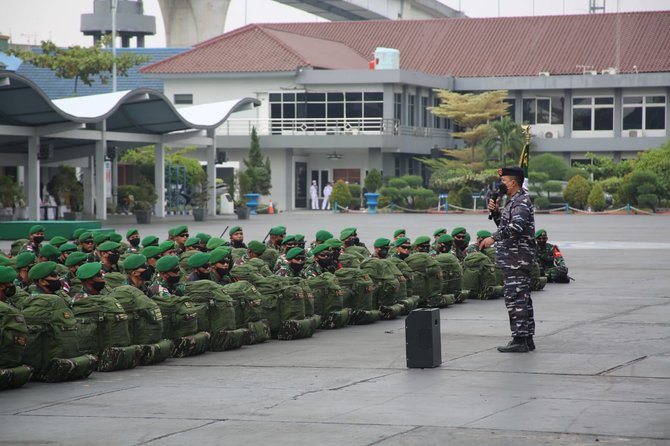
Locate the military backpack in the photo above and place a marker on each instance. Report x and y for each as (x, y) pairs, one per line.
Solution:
(479, 277)
(427, 283)
(13, 341)
(358, 292)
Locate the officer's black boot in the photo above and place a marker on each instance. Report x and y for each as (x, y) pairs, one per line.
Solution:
(530, 343)
(516, 345)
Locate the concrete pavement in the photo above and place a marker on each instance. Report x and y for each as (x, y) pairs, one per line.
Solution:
(600, 374)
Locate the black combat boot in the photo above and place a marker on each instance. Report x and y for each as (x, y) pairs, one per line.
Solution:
(530, 343)
(516, 345)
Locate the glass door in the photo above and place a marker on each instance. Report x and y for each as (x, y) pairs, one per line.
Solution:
(300, 185)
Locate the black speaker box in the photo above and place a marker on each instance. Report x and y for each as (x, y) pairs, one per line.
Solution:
(422, 338)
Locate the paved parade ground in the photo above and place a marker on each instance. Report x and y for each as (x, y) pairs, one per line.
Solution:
(600, 374)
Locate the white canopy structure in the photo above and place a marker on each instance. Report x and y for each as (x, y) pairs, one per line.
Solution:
(82, 127)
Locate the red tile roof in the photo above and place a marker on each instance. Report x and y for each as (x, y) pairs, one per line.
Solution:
(512, 46)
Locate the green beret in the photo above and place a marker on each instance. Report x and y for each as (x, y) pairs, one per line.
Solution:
(214, 243)
(219, 254)
(134, 261)
(346, 233)
(100, 238)
(439, 231)
(85, 236)
(483, 233)
(445, 238)
(57, 241)
(77, 232)
(278, 230)
(383, 241)
(318, 248)
(192, 241)
(108, 246)
(131, 232)
(115, 237)
(204, 238)
(67, 247)
(24, 259)
(4, 261)
(49, 251)
(173, 232)
(458, 230)
(235, 229)
(294, 252)
(167, 245)
(420, 240)
(76, 258)
(400, 241)
(333, 243)
(41, 270)
(299, 237)
(540, 232)
(7, 274)
(322, 235)
(88, 270)
(396, 233)
(288, 239)
(151, 251)
(36, 228)
(256, 247)
(199, 259)
(149, 240)
(167, 263)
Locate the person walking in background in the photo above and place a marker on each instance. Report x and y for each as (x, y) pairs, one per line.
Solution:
(326, 196)
(314, 194)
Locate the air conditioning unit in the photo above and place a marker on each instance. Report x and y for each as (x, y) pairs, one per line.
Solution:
(543, 73)
(46, 152)
(632, 133)
(548, 135)
(591, 72)
(610, 70)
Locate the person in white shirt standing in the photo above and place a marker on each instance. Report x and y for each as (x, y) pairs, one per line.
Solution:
(314, 194)
(326, 196)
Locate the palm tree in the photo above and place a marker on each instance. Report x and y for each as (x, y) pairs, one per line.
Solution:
(505, 137)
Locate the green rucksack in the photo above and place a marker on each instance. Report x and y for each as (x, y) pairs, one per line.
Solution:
(115, 279)
(145, 324)
(248, 302)
(282, 300)
(103, 331)
(427, 279)
(17, 246)
(491, 254)
(183, 261)
(216, 315)
(358, 291)
(328, 301)
(252, 271)
(236, 253)
(362, 251)
(452, 275)
(13, 340)
(269, 257)
(537, 280)
(53, 347)
(479, 277)
(180, 324)
(387, 295)
(351, 259)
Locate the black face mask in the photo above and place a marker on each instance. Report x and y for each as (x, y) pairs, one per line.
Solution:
(98, 286)
(324, 262)
(10, 291)
(238, 243)
(172, 280)
(222, 271)
(38, 239)
(336, 255)
(202, 276)
(422, 248)
(147, 274)
(383, 252)
(352, 241)
(296, 267)
(403, 255)
(54, 285)
(134, 242)
(502, 189)
(444, 247)
(113, 258)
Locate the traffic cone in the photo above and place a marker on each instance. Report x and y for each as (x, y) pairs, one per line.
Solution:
(271, 208)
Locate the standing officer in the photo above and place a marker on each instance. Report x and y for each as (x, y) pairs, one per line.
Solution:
(515, 256)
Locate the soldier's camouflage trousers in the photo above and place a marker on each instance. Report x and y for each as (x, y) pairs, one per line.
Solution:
(518, 302)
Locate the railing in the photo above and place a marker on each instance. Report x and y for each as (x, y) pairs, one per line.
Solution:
(325, 126)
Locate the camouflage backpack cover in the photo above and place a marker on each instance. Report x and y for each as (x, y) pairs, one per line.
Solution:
(358, 294)
(248, 302)
(251, 271)
(329, 301)
(53, 344)
(180, 324)
(13, 341)
(351, 259)
(115, 279)
(537, 280)
(236, 253)
(427, 283)
(283, 300)
(491, 254)
(452, 275)
(103, 331)
(479, 277)
(270, 256)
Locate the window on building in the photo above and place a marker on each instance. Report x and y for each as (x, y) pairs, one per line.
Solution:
(397, 166)
(183, 99)
(397, 106)
(424, 112)
(644, 112)
(511, 110)
(411, 109)
(547, 110)
(592, 113)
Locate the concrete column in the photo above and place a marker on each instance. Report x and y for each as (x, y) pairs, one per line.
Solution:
(518, 106)
(33, 183)
(567, 114)
(618, 112)
(211, 172)
(100, 180)
(289, 202)
(115, 179)
(375, 159)
(159, 182)
(87, 177)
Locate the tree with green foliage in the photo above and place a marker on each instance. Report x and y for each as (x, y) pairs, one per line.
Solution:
(340, 195)
(554, 166)
(143, 158)
(657, 161)
(641, 188)
(552, 186)
(576, 193)
(504, 140)
(601, 167)
(597, 198)
(373, 181)
(257, 169)
(80, 63)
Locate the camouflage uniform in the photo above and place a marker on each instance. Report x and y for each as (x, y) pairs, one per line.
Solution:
(242, 260)
(162, 288)
(312, 270)
(459, 253)
(79, 296)
(552, 263)
(285, 270)
(31, 247)
(20, 284)
(471, 248)
(515, 241)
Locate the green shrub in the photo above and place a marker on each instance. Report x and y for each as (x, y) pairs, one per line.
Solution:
(373, 180)
(383, 202)
(414, 181)
(355, 190)
(397, 183)
(465, 197)
(541, 203)
(573, 171)
(552, 186)
(576, 193)
(425, 199)
(554, 166)
(597, 198)
(341, 194)
(640, 187)
(453, 198)
(391, 194)
(355, 203)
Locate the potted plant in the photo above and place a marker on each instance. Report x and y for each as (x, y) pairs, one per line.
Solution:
(199, 199)
(143, 200)
(10, 195)
(373, 181)
(258, 174)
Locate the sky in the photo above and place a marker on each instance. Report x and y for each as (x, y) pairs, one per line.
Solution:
(31, 21)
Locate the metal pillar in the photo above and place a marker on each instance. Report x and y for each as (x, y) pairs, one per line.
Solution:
(115, 179)
(100, 178)
(159, 173)
(33, 184)
(211, 172)
(87, 179)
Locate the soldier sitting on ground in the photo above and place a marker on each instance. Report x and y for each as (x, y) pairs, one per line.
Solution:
(169, 277)
(237, 237)
(293, 265)
(550, 258)
(91, 279)
(221, 263)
